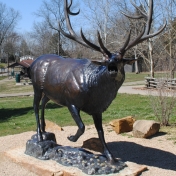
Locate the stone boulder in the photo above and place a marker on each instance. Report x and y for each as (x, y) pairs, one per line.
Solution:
(145, 128)
(51, 126)
(93, 144)
(122, 125)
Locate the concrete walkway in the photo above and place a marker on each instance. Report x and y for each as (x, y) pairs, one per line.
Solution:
(137, 87)
(16, 94)
(123, 89)
(133, 90)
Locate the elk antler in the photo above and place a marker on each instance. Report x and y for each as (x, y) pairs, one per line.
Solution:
(144, 35)
(83, 41)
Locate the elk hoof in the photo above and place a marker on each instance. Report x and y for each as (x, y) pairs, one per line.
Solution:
(43, 128)
(110, 158)
(39, 138)
(72, 138)
(43, 131)
(113, 161)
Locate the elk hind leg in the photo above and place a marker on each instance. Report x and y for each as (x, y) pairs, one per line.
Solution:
(45, 100)
(75, 112)
(36, 103)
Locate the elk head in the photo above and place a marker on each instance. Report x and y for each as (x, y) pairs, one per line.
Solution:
(112, 59)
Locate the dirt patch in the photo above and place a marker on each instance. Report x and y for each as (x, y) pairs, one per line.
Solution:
(157, 153)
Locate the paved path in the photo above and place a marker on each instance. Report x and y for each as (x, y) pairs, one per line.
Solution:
(123, 89)
(16, 94)
(129, 88)
(133, 90)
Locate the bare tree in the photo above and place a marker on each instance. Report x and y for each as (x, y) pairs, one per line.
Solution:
(52, 13)
(23, 48)
(104, 22)
(9, 47)
(101, 22)
(8, 20)
(27, 44)
(42, 35)
(169, 39)
(146, 50)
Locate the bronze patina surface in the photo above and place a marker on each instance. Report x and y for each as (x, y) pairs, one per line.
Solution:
(80, 84)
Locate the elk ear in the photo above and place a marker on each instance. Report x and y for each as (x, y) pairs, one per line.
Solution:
(99, 62)
(129, 61)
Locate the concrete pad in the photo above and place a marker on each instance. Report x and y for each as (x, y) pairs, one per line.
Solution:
(52, 168)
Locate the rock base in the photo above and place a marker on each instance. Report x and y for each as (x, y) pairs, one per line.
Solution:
(52, 168)
(86, 161)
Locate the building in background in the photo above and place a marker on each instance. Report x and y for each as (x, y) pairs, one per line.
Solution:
(21, 67)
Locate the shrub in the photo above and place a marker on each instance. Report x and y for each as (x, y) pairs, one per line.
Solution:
(162, 101)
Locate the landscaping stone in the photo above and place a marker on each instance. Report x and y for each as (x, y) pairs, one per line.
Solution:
(51, 126)
(123, 125)
(51, 168)
(93, 144)
(145, 128)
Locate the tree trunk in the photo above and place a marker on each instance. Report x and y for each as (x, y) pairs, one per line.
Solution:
(8, 65)
(136, 62)
(151, 59)
(152, 74)
(58, 45)
(172, 74)
(171, 61)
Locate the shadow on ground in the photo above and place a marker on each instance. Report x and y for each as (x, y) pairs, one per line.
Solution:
(130, 151)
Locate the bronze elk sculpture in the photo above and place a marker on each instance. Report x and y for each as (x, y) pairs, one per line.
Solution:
(80, 84)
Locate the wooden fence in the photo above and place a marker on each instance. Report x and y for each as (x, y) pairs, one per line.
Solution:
(160, 82)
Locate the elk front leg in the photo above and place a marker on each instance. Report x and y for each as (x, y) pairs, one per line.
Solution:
(45, 100)
(37, 98)
(75, 112)
(98, 124)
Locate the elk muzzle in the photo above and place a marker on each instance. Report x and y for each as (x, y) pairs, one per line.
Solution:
(112, 68)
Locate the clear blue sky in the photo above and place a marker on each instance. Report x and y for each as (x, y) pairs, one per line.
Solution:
(26, 9)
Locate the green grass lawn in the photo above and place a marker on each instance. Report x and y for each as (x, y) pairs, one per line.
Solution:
(3, 65)
(2, 77)
(132, 77)
(17, 115)
(9, 86)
